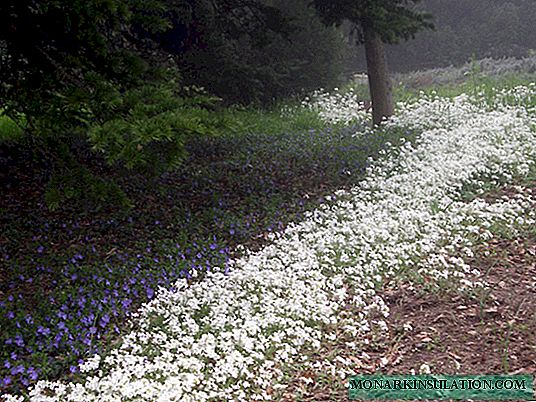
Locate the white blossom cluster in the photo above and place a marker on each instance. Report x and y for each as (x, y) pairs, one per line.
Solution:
(517, 96)
(338, 107)
(230, 337)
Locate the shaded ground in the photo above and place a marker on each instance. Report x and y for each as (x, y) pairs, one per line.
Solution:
(489, 331)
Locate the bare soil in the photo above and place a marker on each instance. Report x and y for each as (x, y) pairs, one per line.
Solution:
(486, 331)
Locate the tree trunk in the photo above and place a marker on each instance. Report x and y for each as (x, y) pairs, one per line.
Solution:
(378, 75)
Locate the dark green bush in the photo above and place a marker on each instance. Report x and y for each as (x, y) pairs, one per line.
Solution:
(245, 63)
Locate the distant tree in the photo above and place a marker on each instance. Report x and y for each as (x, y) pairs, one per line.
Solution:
(254, 51)
(377, 22)
(464, 28)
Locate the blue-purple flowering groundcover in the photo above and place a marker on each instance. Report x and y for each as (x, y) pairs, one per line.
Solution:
(72, 313)
(69, 281)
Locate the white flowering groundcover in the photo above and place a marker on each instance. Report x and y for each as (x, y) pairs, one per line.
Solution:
(230, 337)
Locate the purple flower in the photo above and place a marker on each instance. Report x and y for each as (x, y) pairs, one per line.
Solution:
(43, 330)
(32, 373)
(104, 320)
(17, 370)
(40, 249)
(150, 293)
(19, 341)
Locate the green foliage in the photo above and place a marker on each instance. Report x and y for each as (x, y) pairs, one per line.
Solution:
(391, 19)
(50, 49)
(233, 55)
(9, 130)
(147, 127)
(87, 79)
(47, 47)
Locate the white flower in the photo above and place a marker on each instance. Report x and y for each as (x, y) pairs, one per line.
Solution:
(425, 369)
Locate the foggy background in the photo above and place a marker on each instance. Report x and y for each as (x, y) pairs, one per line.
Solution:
(464, 28)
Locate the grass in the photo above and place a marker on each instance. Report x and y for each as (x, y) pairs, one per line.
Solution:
(472, 86)
(451, 82)
(287, 117)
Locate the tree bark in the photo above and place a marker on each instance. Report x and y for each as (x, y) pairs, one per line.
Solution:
(381, 92)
